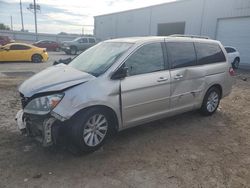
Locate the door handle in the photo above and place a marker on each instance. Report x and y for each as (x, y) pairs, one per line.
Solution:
(178, 77)
(162, 79)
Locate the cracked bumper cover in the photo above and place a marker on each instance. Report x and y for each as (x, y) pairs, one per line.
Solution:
(45, 129)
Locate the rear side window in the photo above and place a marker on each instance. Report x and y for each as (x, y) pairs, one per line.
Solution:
(230, 50)
(181, 54)
(209, 53)
(147, 59)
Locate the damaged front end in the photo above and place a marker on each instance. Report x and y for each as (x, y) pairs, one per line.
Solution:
(37, 120)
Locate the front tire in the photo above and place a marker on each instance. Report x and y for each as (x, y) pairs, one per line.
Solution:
(73, 50)
(36, 58)
(90, 129)
(211, 101)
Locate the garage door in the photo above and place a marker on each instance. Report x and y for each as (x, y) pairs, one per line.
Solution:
(236, 32)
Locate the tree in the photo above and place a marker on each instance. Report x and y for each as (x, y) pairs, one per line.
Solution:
(4, 27)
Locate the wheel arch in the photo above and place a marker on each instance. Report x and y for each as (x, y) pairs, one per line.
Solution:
(218, 86)
(238, 58)
(111, 112)
(31, 59)
(73, 46)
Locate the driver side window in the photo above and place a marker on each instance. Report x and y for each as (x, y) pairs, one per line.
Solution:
(149, 58)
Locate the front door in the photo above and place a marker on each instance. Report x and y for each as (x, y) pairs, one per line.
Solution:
(145, 92)
(83, 44)
(18, 52)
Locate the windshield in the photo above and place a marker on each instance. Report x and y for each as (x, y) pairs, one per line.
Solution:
(76, 39)
(99, 58)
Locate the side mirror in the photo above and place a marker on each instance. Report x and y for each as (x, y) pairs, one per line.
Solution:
(120, 73)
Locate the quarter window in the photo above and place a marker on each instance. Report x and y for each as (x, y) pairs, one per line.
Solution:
(19, 47)
(181, 54)
(209, 53)
(147, 59)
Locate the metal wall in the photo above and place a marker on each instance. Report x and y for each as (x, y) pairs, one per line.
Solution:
(200, 17)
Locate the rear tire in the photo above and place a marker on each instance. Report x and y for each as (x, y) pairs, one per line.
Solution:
(36, 58)
(90, 129)
(211, 101)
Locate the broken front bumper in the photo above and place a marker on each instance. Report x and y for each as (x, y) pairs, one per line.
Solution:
(43, 128)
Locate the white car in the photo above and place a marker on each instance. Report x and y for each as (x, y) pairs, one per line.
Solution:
(233, 56)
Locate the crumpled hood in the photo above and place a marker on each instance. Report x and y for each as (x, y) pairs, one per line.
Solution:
(55, 78)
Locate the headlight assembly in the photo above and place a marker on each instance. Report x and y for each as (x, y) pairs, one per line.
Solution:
(43, 105)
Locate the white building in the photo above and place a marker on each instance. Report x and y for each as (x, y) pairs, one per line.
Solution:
(224, 20)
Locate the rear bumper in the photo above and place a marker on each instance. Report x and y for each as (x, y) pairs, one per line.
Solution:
(45, 57)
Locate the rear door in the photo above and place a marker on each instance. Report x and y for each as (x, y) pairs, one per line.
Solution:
(187, 81)
(145, 92)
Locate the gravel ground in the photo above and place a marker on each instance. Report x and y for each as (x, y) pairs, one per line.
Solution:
(183, 151)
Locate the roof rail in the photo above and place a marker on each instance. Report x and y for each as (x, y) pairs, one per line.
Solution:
(190, 36)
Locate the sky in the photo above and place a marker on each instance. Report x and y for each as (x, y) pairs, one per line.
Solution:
(70, 16)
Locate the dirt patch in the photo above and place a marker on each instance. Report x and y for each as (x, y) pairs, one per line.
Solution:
(183, 151)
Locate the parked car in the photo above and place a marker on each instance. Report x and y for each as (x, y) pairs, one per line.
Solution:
(23, 52)
(64, 61)
(5, 40)
(123, 83)
(49, 45)
(79, 44)
(233, 56)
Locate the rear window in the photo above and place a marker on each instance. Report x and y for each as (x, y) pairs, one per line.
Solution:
(181, 54)
(208, 53)
(230, 50)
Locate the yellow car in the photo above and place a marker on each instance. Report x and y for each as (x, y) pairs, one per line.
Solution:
(23, 52)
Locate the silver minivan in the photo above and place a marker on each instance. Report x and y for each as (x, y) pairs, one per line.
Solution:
(123, 83)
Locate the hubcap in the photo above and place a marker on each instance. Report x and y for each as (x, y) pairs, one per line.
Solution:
(95, 130)
(213, 101)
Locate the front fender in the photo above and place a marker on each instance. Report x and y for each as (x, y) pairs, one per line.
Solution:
(92, 93)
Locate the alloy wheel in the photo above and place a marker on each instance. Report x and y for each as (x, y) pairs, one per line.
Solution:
(95, 130)
(213, 101)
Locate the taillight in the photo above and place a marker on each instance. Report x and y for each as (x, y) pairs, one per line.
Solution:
(231, 71)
